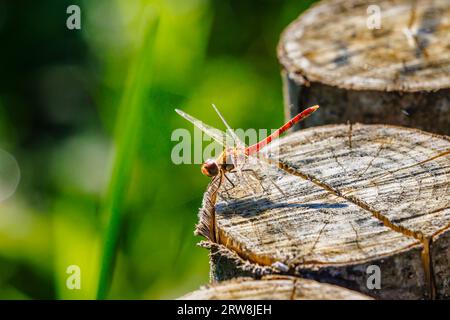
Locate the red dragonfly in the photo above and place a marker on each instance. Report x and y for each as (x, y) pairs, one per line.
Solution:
(233, 157)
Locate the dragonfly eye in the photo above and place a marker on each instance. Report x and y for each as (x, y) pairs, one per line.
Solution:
(210, 168)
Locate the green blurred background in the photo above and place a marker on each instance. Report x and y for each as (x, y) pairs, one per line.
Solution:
(88, 115)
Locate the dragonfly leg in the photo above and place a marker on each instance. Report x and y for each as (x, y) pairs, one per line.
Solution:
(220, 177)
(231, 182)
(225, 190)
(254, 175)
(214, 179)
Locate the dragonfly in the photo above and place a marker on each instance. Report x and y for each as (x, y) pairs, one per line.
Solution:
(236, 153)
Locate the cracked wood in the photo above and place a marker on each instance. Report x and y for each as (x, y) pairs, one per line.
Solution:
(383, 201)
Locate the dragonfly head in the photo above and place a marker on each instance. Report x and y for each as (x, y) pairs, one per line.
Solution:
(210, 168)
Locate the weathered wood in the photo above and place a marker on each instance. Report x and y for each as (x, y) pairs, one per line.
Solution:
(354, 196)
(273, 288)
(398, 74)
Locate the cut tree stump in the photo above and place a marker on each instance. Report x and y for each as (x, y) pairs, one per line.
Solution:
(273, 288)
(398, 74)
(354, 196)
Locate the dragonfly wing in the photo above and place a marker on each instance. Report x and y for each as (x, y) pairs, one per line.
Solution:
(230, 132)
(261, 165)
(216, 134)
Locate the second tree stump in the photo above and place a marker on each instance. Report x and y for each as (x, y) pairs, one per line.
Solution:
(354, 196)
(394, 71)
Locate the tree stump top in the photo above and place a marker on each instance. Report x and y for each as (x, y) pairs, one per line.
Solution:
(332, 44)
(273, 288)
(353, 195)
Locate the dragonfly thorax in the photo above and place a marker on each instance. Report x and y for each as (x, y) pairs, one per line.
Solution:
(227, 160)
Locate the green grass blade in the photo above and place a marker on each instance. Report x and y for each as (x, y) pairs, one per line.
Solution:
(128, 126)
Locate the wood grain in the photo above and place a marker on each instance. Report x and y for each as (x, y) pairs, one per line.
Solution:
(354, 196)
(273, 288)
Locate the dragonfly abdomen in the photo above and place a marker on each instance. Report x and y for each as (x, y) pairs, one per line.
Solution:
(299, 117)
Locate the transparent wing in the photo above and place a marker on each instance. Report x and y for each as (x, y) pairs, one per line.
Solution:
(254, 175)
(216, 134)
(237, 141)
(260, 165)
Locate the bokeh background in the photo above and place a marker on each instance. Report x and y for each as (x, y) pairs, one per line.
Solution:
(88, 115)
